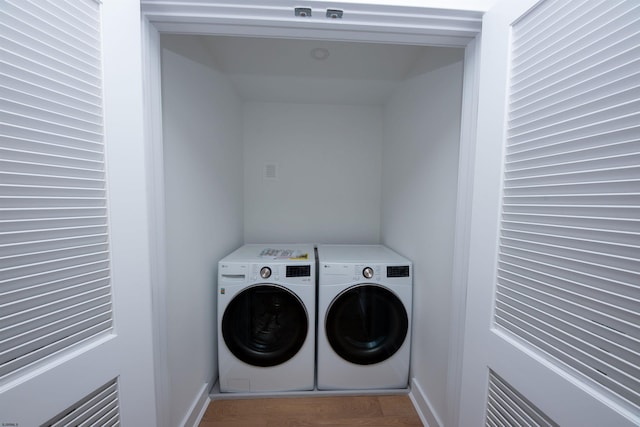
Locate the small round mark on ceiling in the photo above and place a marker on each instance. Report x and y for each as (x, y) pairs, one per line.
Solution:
(319, 53)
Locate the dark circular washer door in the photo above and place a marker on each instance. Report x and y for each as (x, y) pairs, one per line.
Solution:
(265, 325)
(366, 324)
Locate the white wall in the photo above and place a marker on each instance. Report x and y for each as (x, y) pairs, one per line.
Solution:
(420, 167)
(328, 161)
(203, 191)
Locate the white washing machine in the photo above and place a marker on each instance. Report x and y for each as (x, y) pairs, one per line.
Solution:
(266, 318)
(364, 317)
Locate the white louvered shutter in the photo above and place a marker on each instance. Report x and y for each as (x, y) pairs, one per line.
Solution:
(55, 288)
(569, 257)
(553, 326)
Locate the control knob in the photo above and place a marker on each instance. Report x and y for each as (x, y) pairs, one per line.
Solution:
(265, 272)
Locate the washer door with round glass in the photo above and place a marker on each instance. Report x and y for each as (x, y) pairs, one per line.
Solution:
(265, 325)
(366, 324)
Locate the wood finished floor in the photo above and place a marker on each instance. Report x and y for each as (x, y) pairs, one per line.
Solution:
(354, 411)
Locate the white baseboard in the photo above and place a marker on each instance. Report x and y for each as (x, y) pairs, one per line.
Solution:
(198, 408)
(424, 408)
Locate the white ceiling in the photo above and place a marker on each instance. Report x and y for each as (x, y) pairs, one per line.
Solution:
(283, 70)
(284, 57)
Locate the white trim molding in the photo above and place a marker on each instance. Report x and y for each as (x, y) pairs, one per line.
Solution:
(360, 22)
(155, 177)
(422, 405)
(198, 408)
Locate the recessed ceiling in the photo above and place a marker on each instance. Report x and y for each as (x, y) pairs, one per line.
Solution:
(310, 71)
(282, 57)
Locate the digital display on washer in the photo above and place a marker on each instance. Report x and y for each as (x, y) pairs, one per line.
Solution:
(298, 270)
(398, 271)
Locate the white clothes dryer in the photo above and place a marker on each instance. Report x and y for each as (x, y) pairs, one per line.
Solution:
(364, 317)
(266, 318)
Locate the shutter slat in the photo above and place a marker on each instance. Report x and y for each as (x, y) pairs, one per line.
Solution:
(547, 16)
(33, 32)
(602, 270)
(103, 401)
(53, 213)
(48, 202)
(506, 404)
(52, 104)
(47, 20)
(33, 134)
(28, 336)
(596, 30)
(567, 157)
(68, 284)
(25, 260)
(629, 186)
(623, 104)
(49, 223)
(619, 291)
(34, 191)
(547, 338)
(573, 232)
(51, 149)
(601, 331)
(37, 61)
(615, 68)
(576, 93)
(50, 159)
(47, 180)
(600, 246)
(22, 122)
(584, 131)
(44, 235)
(50, 350)
(41, 76)
(21, 90)
(39, 111)
(53, 263)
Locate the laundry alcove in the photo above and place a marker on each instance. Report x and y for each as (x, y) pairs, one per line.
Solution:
(263, 143)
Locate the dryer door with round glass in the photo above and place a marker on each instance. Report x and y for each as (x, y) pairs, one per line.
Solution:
(265, 325)
(366, 324)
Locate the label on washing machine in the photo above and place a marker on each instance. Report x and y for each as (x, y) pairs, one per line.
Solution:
(272, 253)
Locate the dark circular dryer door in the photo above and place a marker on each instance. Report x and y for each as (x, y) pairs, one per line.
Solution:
(265, 325)
(366, 324)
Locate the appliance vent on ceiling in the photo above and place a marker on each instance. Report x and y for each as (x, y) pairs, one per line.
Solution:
(100, 408)
(507, 407)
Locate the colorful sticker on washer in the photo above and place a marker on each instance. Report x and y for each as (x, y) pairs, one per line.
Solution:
(292, 254)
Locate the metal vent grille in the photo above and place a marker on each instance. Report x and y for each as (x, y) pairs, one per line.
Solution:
(507, 407)
(569, 255)
(398, 271)
(298, 270)
(100, 408)
(54, 257)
